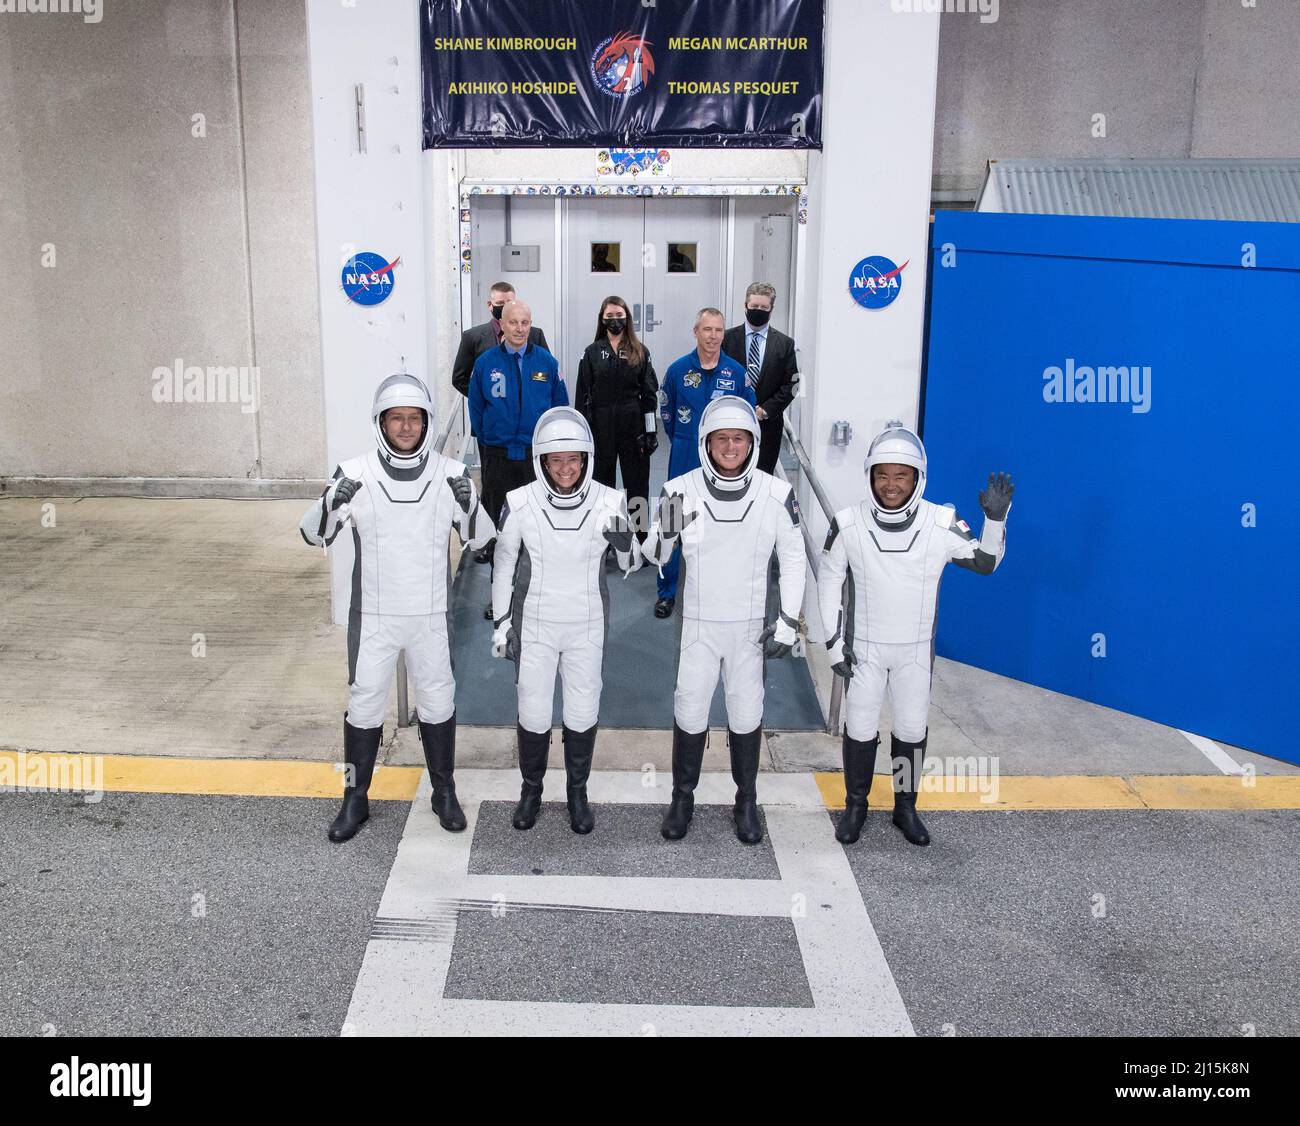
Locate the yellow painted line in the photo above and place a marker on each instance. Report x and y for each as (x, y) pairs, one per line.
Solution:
(294, 779)
(1082, 791)
(158, 775)
(1211, 791)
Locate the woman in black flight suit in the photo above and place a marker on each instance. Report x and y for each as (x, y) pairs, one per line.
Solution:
(617, 393)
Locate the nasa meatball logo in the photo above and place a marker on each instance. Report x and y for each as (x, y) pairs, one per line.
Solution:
(368, 278)
(875, 282)
(622, 65)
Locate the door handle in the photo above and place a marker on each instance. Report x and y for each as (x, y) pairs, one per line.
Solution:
(636, 316)
(650, 321)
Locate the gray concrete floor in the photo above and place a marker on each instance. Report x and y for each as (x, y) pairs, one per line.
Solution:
(152, 914)
(99, 621)
(1105, 923)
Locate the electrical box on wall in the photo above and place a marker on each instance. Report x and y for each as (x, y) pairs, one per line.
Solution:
(521, 258)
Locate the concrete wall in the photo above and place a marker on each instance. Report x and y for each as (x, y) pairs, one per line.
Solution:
(166, 246)
(1175, 78)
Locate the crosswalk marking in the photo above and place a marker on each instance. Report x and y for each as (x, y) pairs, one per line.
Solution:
(399, 990)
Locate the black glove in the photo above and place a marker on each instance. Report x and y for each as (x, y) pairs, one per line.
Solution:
(673, 517)
(847, 659)
(462, 491)
(647, 443)
(773, 650)
(343, 494)
(618, 533)
(996, 499)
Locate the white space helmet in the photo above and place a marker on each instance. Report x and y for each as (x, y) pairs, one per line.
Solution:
(562, 430)
(896, 445)
(729, 412)
(402, 390)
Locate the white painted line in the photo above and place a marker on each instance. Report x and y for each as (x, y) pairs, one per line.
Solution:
(1212, 751)
(630, 893)
(633, 787)
(399, 990)
(853, 990)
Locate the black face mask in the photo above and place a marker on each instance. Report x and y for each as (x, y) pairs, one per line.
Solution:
(614, 325)
(497, 311)
(758, 317)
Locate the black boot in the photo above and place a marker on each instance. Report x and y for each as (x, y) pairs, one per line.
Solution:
(908, 760)
(859, 766)
(360, 749)
(688, 757)
(533, 750)
(439, 742)
(745, 751)
(578, 749)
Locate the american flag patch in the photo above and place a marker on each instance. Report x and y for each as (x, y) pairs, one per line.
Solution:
(963, 525)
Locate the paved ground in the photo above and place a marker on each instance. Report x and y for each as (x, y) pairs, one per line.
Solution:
(1115, 923)
(212, 914)
(170, 915)
(184, 627)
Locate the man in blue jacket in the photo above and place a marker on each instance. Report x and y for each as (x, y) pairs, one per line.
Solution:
(510, 388)
(689, 385)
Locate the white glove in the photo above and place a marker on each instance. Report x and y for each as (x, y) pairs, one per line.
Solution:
(778, 639)
(505, 643)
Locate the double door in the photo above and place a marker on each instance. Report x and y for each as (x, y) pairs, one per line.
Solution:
(663, 255)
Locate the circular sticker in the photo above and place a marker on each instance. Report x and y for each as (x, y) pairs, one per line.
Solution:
(368, 278)
(875, 282)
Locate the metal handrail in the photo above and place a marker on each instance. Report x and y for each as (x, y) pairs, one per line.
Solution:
(403, 689)
(805, 465)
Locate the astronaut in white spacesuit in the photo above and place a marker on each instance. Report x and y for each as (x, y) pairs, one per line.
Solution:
(893, 547)
(730, 517)
(550, 607)
(402, 500)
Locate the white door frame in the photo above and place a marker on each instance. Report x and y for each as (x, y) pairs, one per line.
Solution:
(559, 190)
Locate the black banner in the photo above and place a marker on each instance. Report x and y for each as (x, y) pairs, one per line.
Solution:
(578, 73)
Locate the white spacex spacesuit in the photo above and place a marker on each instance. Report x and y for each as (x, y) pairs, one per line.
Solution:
(894, 559)
(402, 507)
(550, 605)
(729, 525)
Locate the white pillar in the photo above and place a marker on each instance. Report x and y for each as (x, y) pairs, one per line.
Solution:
(371, 201)
(870, 189)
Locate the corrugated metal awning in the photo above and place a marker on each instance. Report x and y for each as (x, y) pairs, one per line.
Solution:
(1261, 189)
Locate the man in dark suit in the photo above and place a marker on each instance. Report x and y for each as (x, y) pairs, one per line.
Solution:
(771, 367)
(477, 340)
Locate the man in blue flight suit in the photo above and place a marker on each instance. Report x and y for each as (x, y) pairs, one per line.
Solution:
(689, 385)
(510, 388)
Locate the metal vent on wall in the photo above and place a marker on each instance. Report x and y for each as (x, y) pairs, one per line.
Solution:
(1257, 190)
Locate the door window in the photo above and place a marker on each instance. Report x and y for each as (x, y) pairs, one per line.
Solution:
(683, 257)
(605, 257)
